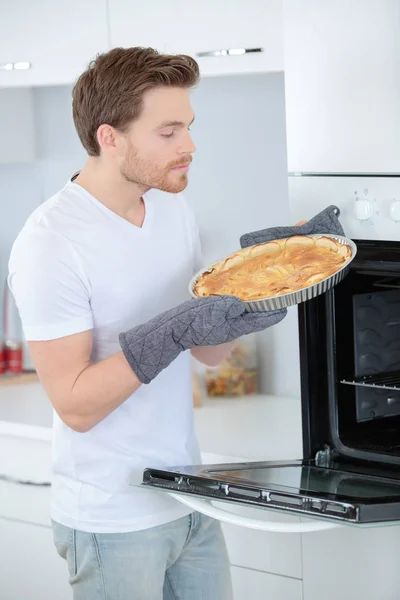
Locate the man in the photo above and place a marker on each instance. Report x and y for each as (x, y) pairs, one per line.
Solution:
(105, 265)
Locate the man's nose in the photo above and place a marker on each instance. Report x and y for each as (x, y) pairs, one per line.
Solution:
(187, 146)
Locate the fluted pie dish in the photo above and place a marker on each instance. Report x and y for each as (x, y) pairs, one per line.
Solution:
(278, 273)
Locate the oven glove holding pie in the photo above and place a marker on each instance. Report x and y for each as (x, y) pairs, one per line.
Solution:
(151, 347)
(326, 221)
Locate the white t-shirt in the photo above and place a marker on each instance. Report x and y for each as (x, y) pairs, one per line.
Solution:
(75, 266)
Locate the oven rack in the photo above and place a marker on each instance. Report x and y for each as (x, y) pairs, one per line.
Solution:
(385, 381)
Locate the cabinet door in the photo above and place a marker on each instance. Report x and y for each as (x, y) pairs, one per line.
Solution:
(342, 79)
(264, 586)
(201, 26)
(57, 38)
(262, 550)
(352, 564)
(30, 567)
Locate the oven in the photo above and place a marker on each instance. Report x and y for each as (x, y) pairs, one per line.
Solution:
(350, 392)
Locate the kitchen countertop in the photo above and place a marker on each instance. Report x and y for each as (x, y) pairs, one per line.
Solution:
(262, 427)
(254, 426)
(25, 411)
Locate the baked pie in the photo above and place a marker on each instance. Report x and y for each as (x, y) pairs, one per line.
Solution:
(274, 268)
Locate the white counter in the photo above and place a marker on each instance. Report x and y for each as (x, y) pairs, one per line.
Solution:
(256, 427)
(25, 411)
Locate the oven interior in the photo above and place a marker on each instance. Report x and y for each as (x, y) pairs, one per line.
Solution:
(350, 361)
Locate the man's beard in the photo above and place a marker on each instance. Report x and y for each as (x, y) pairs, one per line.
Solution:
(148, 174)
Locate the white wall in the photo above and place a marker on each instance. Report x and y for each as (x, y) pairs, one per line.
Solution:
(239, 183)
(238, 180)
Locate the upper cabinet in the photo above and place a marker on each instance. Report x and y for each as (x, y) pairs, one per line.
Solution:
(49, 42)
(342, 78)
(223, 37)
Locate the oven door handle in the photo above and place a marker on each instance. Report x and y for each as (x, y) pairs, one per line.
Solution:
(206, 508)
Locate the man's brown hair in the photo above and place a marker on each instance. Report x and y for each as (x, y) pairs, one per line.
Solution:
(111, 89)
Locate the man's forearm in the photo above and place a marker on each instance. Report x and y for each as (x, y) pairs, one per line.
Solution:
(83, 394)
(96, 392)
(211, 356)
(104, 386)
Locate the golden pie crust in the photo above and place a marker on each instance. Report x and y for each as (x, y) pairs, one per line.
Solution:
(274, 268)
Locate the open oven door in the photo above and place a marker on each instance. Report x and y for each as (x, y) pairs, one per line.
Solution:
(341, 494)
(350, 472)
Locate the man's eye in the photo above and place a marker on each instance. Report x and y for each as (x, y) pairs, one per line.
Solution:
(167, 135)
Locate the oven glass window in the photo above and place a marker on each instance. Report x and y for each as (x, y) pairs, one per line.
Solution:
(300, 479)
(367, 324)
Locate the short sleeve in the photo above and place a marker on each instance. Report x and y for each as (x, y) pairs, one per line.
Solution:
(49, 286)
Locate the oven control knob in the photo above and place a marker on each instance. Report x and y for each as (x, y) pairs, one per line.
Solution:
(395, 210)
(363, 210)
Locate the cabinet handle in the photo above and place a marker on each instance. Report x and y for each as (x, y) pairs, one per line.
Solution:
(229, 52)
(16, 66)
(16, 481)
(206, 508)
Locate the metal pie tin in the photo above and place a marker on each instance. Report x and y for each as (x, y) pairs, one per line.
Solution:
(292, 298)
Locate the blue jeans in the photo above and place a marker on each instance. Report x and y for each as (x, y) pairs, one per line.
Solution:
(182, 560)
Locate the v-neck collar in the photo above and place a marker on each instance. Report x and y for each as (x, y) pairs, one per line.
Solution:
(148, 206)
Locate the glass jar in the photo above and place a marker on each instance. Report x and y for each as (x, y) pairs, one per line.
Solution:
(238, 374)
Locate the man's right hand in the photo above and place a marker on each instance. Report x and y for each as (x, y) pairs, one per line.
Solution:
(151, 347)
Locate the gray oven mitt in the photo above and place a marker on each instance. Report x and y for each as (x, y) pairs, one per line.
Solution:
(151, 347)
(326, 221)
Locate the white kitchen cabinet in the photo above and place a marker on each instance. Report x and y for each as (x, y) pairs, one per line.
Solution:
(17, 126)
(262, 550)
(179, 26)
(25, 503)
(24, 459)
(342, 80)
(352, 564)
(30, 567)
(264, 586)
(57, 38)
